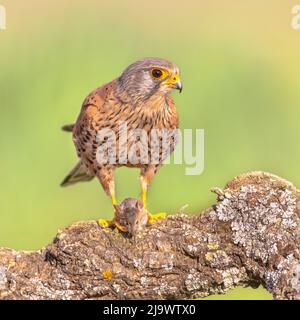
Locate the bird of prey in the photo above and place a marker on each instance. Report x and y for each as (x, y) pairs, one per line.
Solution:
(140, 98)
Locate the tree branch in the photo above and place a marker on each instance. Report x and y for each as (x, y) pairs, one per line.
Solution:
(250, 237)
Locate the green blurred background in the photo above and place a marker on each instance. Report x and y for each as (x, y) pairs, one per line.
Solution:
(240, 68)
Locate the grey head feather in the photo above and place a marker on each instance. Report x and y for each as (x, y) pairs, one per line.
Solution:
(137, 82)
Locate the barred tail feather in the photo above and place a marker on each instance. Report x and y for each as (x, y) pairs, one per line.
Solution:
(68, 127)
(77, 174)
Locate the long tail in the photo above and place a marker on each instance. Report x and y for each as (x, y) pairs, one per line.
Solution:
(68, 127)
(77, 174)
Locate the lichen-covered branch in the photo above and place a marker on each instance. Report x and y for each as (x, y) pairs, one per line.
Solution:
(250, 237)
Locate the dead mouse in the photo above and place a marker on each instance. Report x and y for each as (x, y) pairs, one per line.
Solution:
(131, 216)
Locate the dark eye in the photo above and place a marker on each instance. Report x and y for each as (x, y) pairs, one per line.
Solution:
(156, 73)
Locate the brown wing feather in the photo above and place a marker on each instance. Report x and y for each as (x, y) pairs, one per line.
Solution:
(91, 105)
(94, 115)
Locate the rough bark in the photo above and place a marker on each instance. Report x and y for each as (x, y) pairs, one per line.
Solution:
(249, 237)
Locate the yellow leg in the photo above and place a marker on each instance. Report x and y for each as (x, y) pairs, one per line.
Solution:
(112, 223)
(113, 199)
(144, 197)
(108, 223)
(151, 217)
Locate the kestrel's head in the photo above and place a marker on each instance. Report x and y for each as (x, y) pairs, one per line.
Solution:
(148, 77)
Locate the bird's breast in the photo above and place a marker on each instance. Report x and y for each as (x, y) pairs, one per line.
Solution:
(141, 135)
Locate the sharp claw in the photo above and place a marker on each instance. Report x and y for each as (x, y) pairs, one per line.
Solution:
(107, 224)
(104, 223)
(154, 217)
(120, 228)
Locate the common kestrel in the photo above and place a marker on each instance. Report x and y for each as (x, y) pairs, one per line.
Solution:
(138, 99)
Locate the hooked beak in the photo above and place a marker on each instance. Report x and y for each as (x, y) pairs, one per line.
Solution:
(174, 82)
(178, 86)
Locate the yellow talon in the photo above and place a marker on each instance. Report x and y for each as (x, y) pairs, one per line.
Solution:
(119, 227)
(154, 217)
(104, 223)
(107, 224)
(151, 217)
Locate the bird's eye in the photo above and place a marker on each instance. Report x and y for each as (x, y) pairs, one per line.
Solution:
(156, 73)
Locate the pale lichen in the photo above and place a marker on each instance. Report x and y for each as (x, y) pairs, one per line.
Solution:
(295, 278)
(254, 212)
(195, 281)
(231, 276)
(218, 259)
(3, 278)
